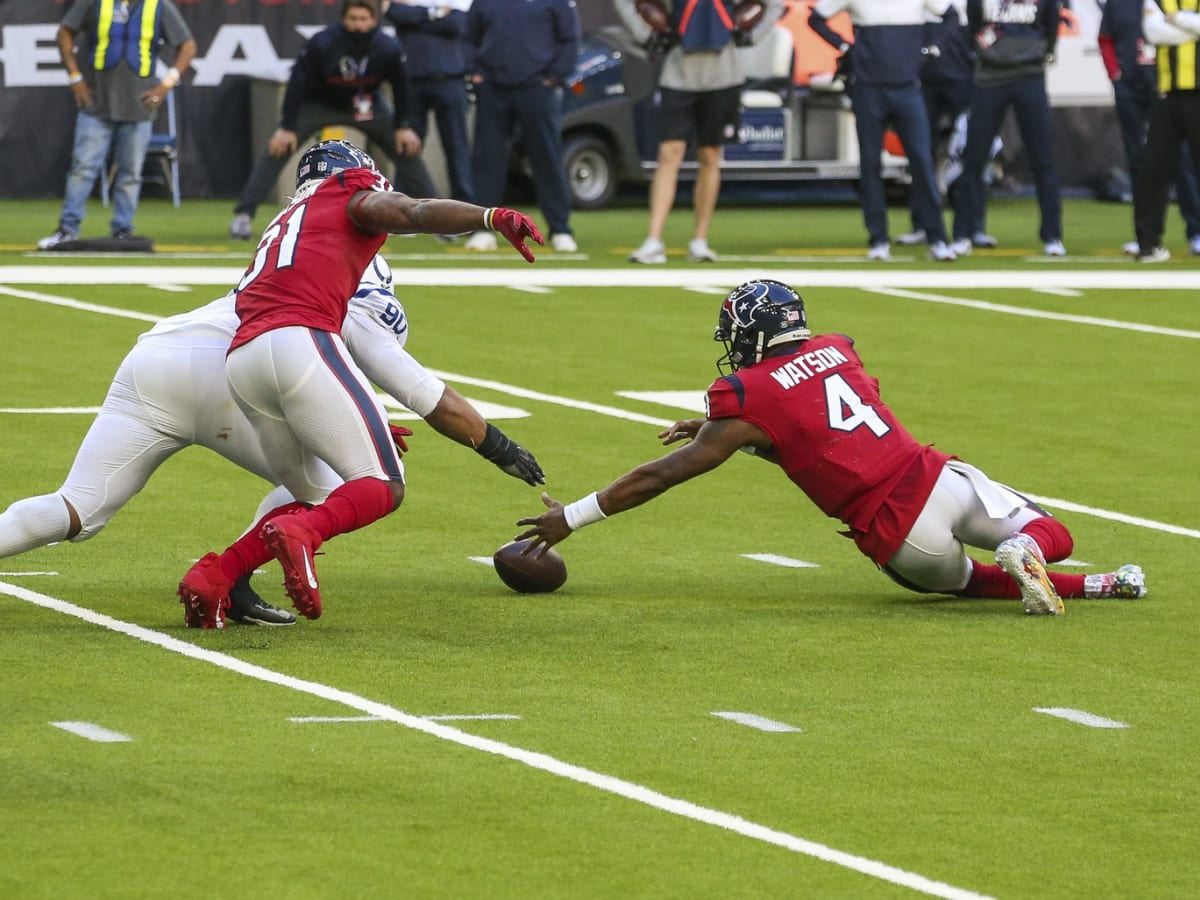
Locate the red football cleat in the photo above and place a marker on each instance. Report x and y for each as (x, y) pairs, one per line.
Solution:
(204, 593)
(294, 544)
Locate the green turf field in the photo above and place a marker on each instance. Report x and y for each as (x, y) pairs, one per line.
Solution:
(313, 762)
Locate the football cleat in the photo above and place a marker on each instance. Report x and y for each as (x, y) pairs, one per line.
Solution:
(1022, 559)
(247, 608)
(1127, 583)
(294, 544)
(204, 593)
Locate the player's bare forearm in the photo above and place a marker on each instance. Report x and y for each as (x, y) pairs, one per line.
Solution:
(390, 212)
(457, 419)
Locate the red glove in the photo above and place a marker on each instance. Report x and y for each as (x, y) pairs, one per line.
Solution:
(399, 433)
(515, 227)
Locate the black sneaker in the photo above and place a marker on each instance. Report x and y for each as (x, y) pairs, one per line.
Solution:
(247, 608)
(121, 234)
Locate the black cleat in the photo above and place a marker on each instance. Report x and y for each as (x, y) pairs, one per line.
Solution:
(247, 608)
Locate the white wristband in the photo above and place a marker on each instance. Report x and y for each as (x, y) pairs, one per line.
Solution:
(583, 512)
(171, 78)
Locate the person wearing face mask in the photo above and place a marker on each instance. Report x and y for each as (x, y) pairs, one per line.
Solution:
(336, 80)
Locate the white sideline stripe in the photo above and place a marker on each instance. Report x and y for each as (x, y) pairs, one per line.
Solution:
(776, 560)
(52, 410)
(1114, 516)
(171, 288)
(540, 761)
(750, 720)
(1079, 716)
(693, 401)
(1037, 313)
(531, 289)
(76, 304)
(93, 732)
(1058, 292)
(858, 277)
(23, 574)
(624, 414)
(451, 718)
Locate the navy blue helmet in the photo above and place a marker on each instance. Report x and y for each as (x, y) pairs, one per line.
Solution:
(756, 316)
(330, 157)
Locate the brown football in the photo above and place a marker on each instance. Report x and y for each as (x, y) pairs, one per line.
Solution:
(748, 14)
(527, 574)
(654, 14)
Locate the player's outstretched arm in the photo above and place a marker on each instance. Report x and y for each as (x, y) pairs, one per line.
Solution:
(390, 212)
(714, 442)
(455, 418)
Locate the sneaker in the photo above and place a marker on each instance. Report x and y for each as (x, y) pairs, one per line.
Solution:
(914, 237)
(1127, 583)
(1022, 559)
(447, 238)
(961, 247)
(247, 608)
(940, 251)
(699, 251)
(563, 243)
(1194, 245)
(653, 252)
(481, 241)
(239, 228)
(880, 252)
(294, 544)
(204, 593)
(1054, 248)
(984, 241)
(1157, 255)
(1131, 248)
(59, 237)
(121, 234)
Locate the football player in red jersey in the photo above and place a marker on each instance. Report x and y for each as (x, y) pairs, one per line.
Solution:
(807, 404)
(289, 370)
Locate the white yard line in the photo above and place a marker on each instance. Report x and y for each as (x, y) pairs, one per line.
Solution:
(777, 560)
(1091, 720)
(751, 720)
(540, 761)
(93, 732)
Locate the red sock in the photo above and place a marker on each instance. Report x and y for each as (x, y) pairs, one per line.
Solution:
(995, 583)
(355, 504)
(249, 552)
(1052, 536)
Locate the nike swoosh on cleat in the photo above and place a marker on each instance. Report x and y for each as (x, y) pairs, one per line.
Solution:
(309, 573)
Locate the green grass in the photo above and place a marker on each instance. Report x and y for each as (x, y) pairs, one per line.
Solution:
(919, 747)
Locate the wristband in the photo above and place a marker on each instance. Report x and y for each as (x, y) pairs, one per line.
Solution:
(487, 218)
(583, 512)
(74, 78)
(171, 78)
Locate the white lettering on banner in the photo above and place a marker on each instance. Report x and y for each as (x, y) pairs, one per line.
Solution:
(30, 56)
(239, 50)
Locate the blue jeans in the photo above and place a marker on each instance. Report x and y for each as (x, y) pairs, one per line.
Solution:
(93, 137)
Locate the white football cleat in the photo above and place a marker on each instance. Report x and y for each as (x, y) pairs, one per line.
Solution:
(1022, 559)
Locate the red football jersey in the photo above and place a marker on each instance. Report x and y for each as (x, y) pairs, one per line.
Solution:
(836, 439)
(309, 260)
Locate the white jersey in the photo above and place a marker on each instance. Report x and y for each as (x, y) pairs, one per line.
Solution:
(375, 331)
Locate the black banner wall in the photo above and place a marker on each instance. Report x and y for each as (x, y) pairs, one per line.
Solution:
(236, 40)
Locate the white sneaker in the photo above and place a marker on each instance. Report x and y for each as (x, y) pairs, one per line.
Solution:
(1054, 248)
(699, 251)
(1194, 246)
(240, 228)
(914, 237)
(880, 252)
(1131, 248)
(653, 252)
(961, 247)
(1157, 255)
(563, 243)
(482, 241)
(984, 241)
(940, 251)
(59, 237)
(1022, 559)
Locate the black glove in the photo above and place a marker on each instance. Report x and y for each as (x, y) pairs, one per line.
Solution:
(660, 43)
(741, 38)
(510, 457)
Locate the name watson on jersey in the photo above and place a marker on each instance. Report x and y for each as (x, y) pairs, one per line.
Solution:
(806, 365)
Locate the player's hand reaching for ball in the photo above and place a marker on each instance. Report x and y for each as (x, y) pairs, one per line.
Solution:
(547, 529)
(683, 430)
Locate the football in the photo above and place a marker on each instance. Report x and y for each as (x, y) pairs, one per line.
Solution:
(528, 574)
(747, 14)
(654, 14)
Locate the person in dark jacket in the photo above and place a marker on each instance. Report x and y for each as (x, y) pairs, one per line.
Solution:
(432, 37)
(1131, 63)
(1014, 42)
(524, 53)
(336, 81)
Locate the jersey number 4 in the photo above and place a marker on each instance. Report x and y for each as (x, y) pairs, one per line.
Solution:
(847, 411)
(287, 246)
